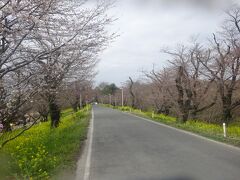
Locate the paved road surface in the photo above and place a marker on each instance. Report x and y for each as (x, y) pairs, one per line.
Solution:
(129, 148)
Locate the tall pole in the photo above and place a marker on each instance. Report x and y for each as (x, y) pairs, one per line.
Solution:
(110, 99)
(122, 97)
(80, 100)
(87, 104)
(224, 130)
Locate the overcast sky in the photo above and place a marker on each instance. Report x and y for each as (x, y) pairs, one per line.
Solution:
(146, 26)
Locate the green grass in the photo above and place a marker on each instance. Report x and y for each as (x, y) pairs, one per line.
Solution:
(212, 131)
(41, 152)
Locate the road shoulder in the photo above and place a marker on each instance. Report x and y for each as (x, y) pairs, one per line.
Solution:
(84, 162)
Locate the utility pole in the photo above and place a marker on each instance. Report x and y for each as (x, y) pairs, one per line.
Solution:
(80, 100)
(122, 97)
(87, 104)
(110, 99)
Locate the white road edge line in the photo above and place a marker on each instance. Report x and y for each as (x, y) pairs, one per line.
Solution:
(183, 131)
(89, 150)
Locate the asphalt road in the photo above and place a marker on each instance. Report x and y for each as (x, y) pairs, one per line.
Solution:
(125, 147)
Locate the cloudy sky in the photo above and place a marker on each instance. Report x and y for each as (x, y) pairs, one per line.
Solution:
(145, 27)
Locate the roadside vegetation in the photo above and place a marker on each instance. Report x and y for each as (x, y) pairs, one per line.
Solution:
(209, 130)
(43, 153)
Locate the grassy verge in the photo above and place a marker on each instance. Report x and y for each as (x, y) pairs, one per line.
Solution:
(41, 152)
(211, 131)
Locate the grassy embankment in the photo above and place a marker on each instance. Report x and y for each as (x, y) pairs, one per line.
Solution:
(44, 153)
(209, 130)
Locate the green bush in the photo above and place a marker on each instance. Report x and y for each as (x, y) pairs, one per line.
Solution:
(125, 108)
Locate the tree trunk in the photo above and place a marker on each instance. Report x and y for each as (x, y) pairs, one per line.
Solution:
(194, 113)
(3, 108)
(44, 115)
(54, 111)
(184, 117)
(227, 115)
(165, 109)
(184, 105)
(45, 118)
(6, 126)
(133, 99)
(184, 114)
(227, 111)
(75, 106)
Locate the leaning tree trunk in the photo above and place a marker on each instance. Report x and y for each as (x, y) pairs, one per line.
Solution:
(54, 111)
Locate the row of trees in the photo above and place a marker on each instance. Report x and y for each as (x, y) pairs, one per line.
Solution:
(48, 51)
(201, 81)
